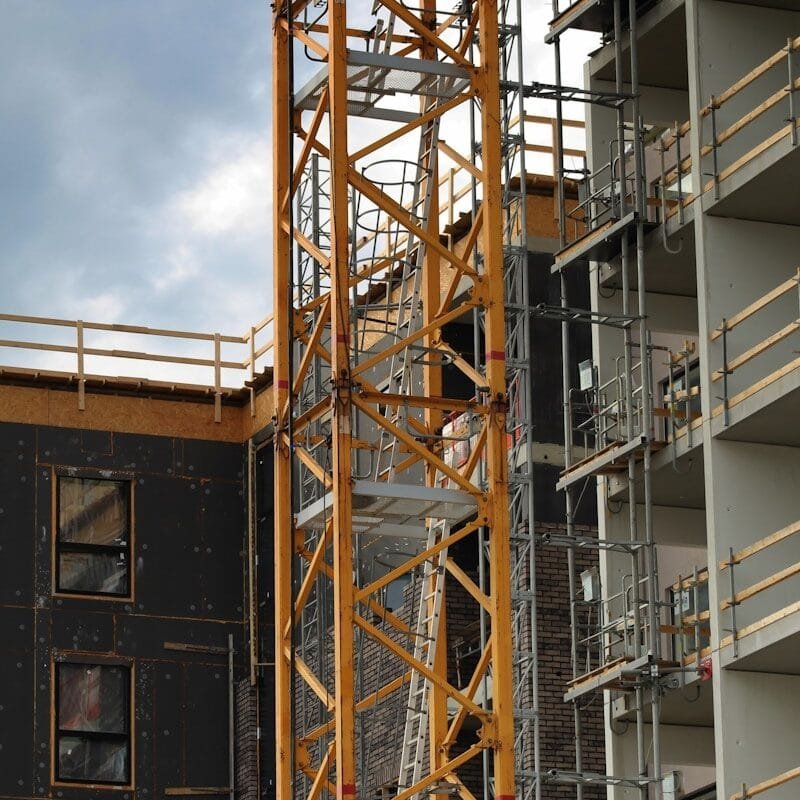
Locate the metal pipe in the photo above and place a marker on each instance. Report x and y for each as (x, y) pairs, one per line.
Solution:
(646, 399)
(251, 561)
(231, 722)
(731, 564)
(526, 324)
(568, 500)
(620, 107)
(678, 137)
(687, 387)
(792, 120)
(724, 372)
(559, 145)
(714, 145)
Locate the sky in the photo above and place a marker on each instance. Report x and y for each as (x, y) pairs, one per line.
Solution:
(135, 158)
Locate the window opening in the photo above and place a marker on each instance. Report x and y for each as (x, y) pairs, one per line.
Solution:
(93, 541)
(93, 723)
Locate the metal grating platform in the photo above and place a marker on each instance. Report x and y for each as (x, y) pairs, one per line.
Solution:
(372, 77)
(393, 510)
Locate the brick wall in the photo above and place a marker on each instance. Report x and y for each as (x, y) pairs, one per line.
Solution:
(557, 728)
(383, 724)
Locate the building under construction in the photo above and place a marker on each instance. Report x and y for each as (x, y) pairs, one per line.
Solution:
(500, 501)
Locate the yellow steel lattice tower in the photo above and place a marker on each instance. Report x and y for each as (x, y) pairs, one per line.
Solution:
(360, 460)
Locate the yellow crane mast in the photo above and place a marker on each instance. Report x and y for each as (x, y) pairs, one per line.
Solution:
(360, 461)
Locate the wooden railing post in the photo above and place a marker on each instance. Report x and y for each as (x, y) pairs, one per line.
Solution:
(252, 342)
(217, 379)
(81, 371)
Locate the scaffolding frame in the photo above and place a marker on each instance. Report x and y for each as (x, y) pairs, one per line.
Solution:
(621, 648)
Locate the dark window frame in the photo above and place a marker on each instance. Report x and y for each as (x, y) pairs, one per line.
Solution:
(60, 546)
(126, 737)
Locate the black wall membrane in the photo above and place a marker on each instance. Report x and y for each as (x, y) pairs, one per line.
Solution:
(187, 565)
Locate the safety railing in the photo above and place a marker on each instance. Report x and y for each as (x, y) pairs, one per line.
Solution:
(690, 633)
(681, 412)
(613, 626)
(770, 96)
(604, 193)
(603, 414)
(748, 792)
(95, 361)
(738, 596)
(767, 309)
(671, 192)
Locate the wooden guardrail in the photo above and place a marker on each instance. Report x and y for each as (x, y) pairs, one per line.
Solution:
(772, 783)
(736, 598)
(785, 94)
(731, 364)
(253, 354)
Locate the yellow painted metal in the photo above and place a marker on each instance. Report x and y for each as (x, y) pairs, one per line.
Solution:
(284, 533)
(330, 329)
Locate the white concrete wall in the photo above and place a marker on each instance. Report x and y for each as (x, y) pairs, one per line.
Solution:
(757, 493)
(742, 261)
(682, 746)
(734, 39)
(756, 721)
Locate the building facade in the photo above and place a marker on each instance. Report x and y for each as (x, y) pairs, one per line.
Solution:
(126, 667)
(684, 419)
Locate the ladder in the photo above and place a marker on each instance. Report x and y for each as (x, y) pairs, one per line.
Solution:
(409, 307)
(425, 640)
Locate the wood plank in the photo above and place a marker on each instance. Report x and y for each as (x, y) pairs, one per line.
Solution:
(757, 349)
(751, 154)
(746, 80)
(771, 783)
(679, 133)
(186, 647)
(758, 386)
(596, 233)
(760, 586)
(757, 305)
(690, 619)
(763, 544)
(686, 583)
(683, 394)
(584, 461)
(752, 115)
(567, 123)
(787, 611)
(601, 670)
(576, 9)
(673, 630)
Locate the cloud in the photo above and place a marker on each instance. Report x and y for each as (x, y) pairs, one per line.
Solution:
(128, 158)
(135, 162)
(233, 197)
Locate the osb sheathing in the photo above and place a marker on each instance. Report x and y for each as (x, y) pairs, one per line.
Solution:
(188, 417)
(129, 413)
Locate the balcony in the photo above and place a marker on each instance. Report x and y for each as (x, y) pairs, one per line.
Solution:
(749, 143)
(589, 15)
(760, 612)
(758, 375)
